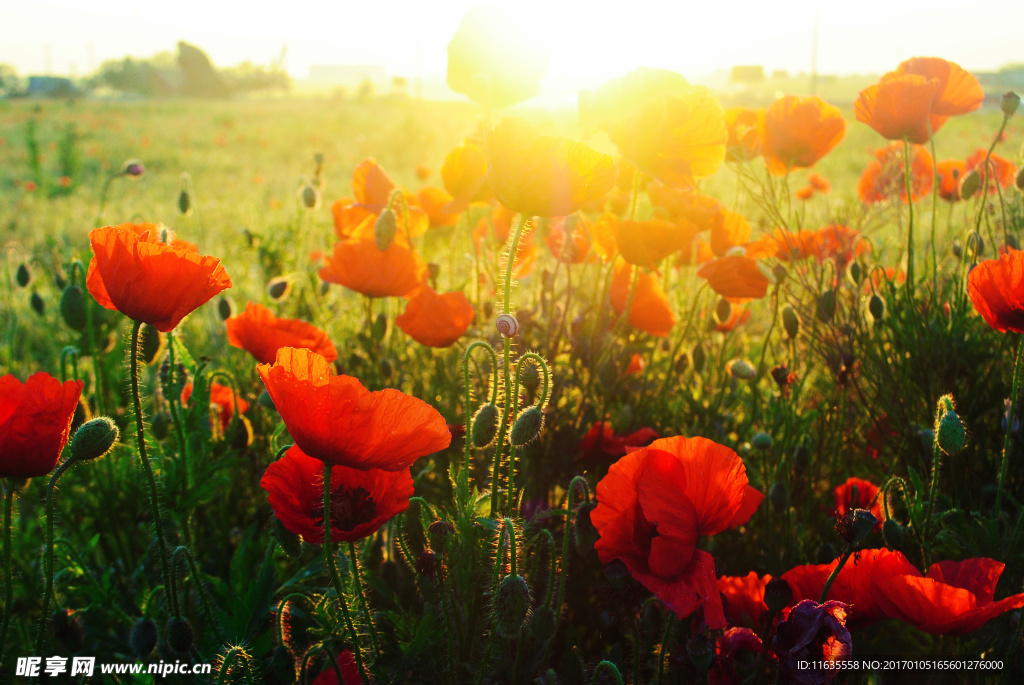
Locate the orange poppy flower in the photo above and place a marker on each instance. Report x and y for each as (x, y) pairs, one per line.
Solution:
(857, 493)
(646, 243)
(362, 500)
(745, 130)
(675, 138)
(952, 598)
(464, 174)
(601, 436)
(571, 253)
(737, 278)
(373, 188)
(423, 172)
(603, 236)
(149, 281)
(436, 320)
(1003, 171)
(35, 422)
(804, 193)
(958, 92)
(898, 107)
(538, 175)
(798, 132)
(338, 421)
(883, 178)
(950, 172)
(361, 266)
(996, 288)
(818, 182)
(703, 211)
(744, 598)
(222, 399)
(437, 205)
(653, 506)
(636, 365)
(650, 311)
(737, 317)
(261, 334)
(733, 231)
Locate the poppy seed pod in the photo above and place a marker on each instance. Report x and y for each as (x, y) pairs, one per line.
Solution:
(72, 307)
(180, 637)
(877, 307)
(37, 304)
(485, 425)
(742, 370)
(790, 321)
(699, 358)
(94, 439)
(701, 651)
(761, 441)
(893, 534)
(184, 202)
(385, 228)
(22, 276)
(278, 288)
(527, 426)
(1018, 181)
(143, 637)
(854, 526)
(970, 184)
(1009, 103)
(511, 605)
(827, 305)
(951, 435)
(310, 197)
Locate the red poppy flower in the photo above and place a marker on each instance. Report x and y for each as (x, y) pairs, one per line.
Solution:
(600, 436)
(952, 598)
(818, 182)
(35, 422)
(361, 500)
(732, 231)
(684, 204)
(804, 193)
(812, 633)
(222, 399)
(798, 132)
(361, 266)
(372, 187)
(744, 598)
(728, 647)
(996, 288)
(899, 107)
(149, 281)
(261, 334)
(746, 126)
(337, 420)
(346, 663)
(636, 365)
(436, 320)
(883, 178)
(1003, 170)
(650, 311)
(737, 278)
(653, 506)
(857, 493)
(539, 175)
(958, 92)
(950, 172)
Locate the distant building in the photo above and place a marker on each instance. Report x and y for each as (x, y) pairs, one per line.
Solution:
(347, 74)
(747, 74)
(50, 87)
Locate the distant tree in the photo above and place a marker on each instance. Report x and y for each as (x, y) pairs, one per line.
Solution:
(248, 77)
(130, 75)
(366, 90)
(10, 84)
(201, 79)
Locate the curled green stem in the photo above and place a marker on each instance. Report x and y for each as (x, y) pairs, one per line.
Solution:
(610, 668)
(47, 556)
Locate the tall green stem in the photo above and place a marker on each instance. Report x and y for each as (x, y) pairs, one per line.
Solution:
(47, 556)
(1009, 425)
(670, 623)
(910, 220)
(8, 580)
(835, 574)
(361, 594)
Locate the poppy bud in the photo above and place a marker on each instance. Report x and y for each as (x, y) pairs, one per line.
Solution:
(854, 526)
(37, 304)
(801, 459)
(426, 563)
(239, 433)
(143, 637)
(310, 197)
(893, 534)
(161, 425)
(723, 310)
(184, 202)
(94, 439)
(67, 630)
(485, 425)
(701, 652)
(133, 168)
(779, 273)
(22, 275)
(777, 595)
(699, 358)
(439, 532)
(180, 637)
(1019, 179)
(778, 495)
(827, 305)
(951, 434)
(289, 541)
(975, 239)
(72, 307)
(761, 441)
(278, 288)
(225, 309)
(384, 228)
(511, 605)
(1009, 103)
(876, 306)
(958, 249)
(380, 327)
(488, 309)
(742, 370)
(433, 270)
(855, 272)
(790, 321)
(584, 532)
(970, 184)
(527, 426)
(150, 343)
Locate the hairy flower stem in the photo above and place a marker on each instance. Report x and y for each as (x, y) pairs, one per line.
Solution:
(1009, 424)
(608, 667)
(153, 495)
(336, 577)
(670, 623)
(565, 539)
(47, 555)
(361, 594)
(835, 574)
(175, 400)
(910, 219)
(8, 580)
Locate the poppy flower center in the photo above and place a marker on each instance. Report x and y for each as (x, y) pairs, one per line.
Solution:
(350, 507)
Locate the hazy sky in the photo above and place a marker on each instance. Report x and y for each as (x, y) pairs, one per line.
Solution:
(589, 41)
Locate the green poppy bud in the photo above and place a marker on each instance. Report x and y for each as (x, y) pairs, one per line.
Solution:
(310, 197)
(72, 307)
(699, 358)
(970, 184)
(790, 321)
(225, 309)
(484, 425)
(1009, 103)
(289, 541)
(742, 370)
(37, 304)
(278, 288)
(150, 343)
(184, 202)
(527, 426)
(384, 229)
(22, 276)
(161, 425)
(701, 651)
(827, 305)
(510, 606)
(893, 533)
(143, 637)
(94, 439)
(180, 637)
(778, 495)
(951, 434)
(876, 306)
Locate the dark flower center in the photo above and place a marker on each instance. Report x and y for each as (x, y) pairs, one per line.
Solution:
(350, 507)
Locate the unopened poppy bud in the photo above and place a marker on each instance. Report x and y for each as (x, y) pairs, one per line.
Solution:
(1018, 180)
(584, 532)
(310, 197)
(701, 651)
(510, 606)
(150, 343)
(856, 272)
(143, 637)
(790, 321)
(184, 202)
(37, 304)
(384, 228)
(742, 370)
(180, 637)
(225, 308)
(72, 307)
(951, 434)
(876, 306)
(426, 563)
(161, 425)
(67, 630)
(827, 305)
(94, 439)
(439, 532)
(777, 594)
(488, 309)
(527, 426)
(778, 495)
(278, 288)
(22, 276)
(854, 526)
(975, 240)
(970, 184)
(723, 310)
(485, 425)
(133, 168)
(779, 272)
(801, 459)
(761, 441)
(433, 270)
(893, 534)
(380, 327)
(699, 357)
(289, 541)
(1009, 103)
